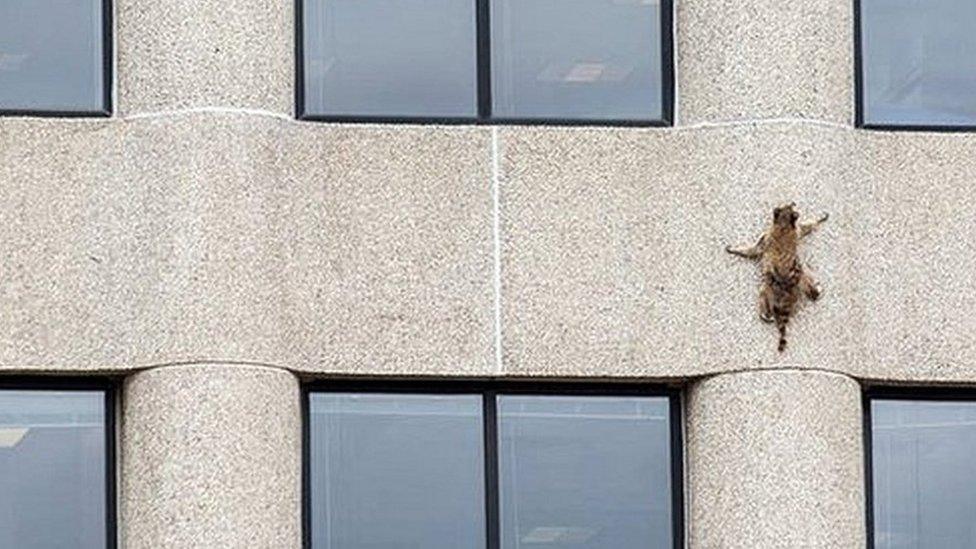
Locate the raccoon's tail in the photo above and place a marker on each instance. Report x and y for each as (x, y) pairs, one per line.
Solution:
(781, 324)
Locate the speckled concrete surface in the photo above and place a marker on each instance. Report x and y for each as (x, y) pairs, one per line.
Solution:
(370, 249)
(176, 54)
(391, 249)
(774, 461)
(246, 239)
(747, 59)
(913, 256)
(211, 458)
(613, 257)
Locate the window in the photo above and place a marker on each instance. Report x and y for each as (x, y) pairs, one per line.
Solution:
(492, 466)
(922, 483)
(413, 58)
(396, 471)
(584, 471)
(917, 63)
(546, 61)
(56, 465)
(55, 57)
(577, 59)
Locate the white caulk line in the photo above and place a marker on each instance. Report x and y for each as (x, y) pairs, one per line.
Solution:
(764, 121)
(210, 110)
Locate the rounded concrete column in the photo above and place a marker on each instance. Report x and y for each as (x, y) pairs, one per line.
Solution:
(211, 457)
(748, 59)
(775, 460)
(178, 54)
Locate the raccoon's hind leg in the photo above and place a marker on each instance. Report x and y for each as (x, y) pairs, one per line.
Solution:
(766, 304)
(809, 287)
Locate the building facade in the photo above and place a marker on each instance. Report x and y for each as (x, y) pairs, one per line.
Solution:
(213, 255)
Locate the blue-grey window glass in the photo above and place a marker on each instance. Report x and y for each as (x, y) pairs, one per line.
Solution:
(577, 59)
(918, 62)
(396, 470)
(924, 473)
(51, 56)
(411, 58)
(584, 472)
(52, 469)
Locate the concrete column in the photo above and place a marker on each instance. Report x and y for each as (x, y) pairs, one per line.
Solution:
(747, 59)
(178, 54)
(211, 457)
(775, 460)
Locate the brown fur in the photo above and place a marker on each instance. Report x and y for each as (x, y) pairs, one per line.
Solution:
(784, 281)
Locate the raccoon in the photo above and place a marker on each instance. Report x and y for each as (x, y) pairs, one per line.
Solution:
(784, 281)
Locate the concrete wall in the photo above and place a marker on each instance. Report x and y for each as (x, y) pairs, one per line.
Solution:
(774, 460)
(211, 458)
(202, 225)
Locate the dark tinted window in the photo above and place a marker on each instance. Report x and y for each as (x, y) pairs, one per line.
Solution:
(924, 477)
(918, 62)
(577, 59)
(584, 472)
(396, 471)
(470, 60)
(492, 466)
(51, 55)
(381, 58)
(52, 469)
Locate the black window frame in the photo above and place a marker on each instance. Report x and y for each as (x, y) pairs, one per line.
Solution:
(108, 59)
(488, 391)
(907, 393)
(110, 387)
(859, 93)
(484, 101)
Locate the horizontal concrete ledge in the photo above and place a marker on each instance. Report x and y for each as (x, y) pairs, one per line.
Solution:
(802, 371)
(613, 255)
(229, 110)
(370, 250)
(341, 374)
(245, 239)
(239, 366)
(25, 123)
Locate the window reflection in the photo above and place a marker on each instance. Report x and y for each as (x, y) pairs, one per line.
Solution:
(390, 58)
(584, 472)
(51, 55)
(408, 470)
(924, 477)
(52, 469)
(578, 59)
(396, 471)
(918, 62)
